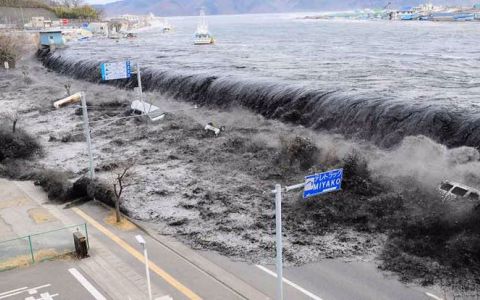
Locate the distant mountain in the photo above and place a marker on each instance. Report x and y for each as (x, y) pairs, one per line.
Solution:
(191, 7)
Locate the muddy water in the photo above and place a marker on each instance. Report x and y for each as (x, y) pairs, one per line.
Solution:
(379, 81)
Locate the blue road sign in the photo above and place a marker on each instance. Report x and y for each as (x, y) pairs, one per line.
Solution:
(116, 70)
(322, 183)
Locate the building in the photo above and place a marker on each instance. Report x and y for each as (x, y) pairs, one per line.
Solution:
(118, 25)
(98, 28)
(52, 38)
(39, 23)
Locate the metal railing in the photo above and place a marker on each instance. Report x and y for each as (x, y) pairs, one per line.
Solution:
(26, 250)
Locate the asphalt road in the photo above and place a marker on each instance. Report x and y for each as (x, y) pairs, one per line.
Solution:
(47, 281)
(326, 280)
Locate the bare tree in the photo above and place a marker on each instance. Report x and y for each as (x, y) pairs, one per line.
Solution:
(76, 3)
(119, 185)
(68, 86)
(71, 3)
(13, 116)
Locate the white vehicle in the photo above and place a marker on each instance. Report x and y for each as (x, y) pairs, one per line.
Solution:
(455, 190)
(202, 35)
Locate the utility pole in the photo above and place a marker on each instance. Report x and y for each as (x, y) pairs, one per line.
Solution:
(278, 234)
(23, 18)
(86, 128)
(313, 185)
(139, 78)
(142, 242)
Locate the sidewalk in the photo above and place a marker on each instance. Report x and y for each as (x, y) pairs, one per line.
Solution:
(24, 209)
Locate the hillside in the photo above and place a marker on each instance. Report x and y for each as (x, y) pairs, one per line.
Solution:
(20, 16)
(24, 3)
(191, 7)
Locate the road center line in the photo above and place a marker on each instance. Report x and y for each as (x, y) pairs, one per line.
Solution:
(156, 269)
(86, 284)
(296, 286)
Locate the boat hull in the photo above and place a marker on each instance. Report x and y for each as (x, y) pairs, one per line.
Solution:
(209, 41)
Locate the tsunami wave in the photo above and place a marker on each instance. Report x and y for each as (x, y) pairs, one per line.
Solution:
(383, 121)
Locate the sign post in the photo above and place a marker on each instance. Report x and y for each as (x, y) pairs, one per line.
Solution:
(314, 185)
(139, 78)
(122, 70)
(86, 128)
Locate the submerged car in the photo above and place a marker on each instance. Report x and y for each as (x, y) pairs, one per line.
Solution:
(456, 190)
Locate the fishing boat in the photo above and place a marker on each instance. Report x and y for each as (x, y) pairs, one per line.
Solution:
(167, 27)
(202, 35)
(464, 17)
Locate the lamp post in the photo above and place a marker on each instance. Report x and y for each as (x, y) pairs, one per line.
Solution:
(141, 241)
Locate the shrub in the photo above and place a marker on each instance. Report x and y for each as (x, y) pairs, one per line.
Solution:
(357, 177)
(12, 47)
(54, 183)
(298, 152)
(80, 12)
(86, 188)
(17, 145)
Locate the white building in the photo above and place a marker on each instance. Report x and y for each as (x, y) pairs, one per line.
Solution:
(98, 28)
(39, 23)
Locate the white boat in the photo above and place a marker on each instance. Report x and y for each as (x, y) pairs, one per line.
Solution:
(202, 35)
(167, 27)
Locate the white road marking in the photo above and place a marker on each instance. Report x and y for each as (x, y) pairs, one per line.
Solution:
(13, 291)
(21, 290)
(43, 296)
(296, 286)
(433, 296)
(167, 297)
(87, 285)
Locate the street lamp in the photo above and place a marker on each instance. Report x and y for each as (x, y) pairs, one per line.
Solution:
(141, 241)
